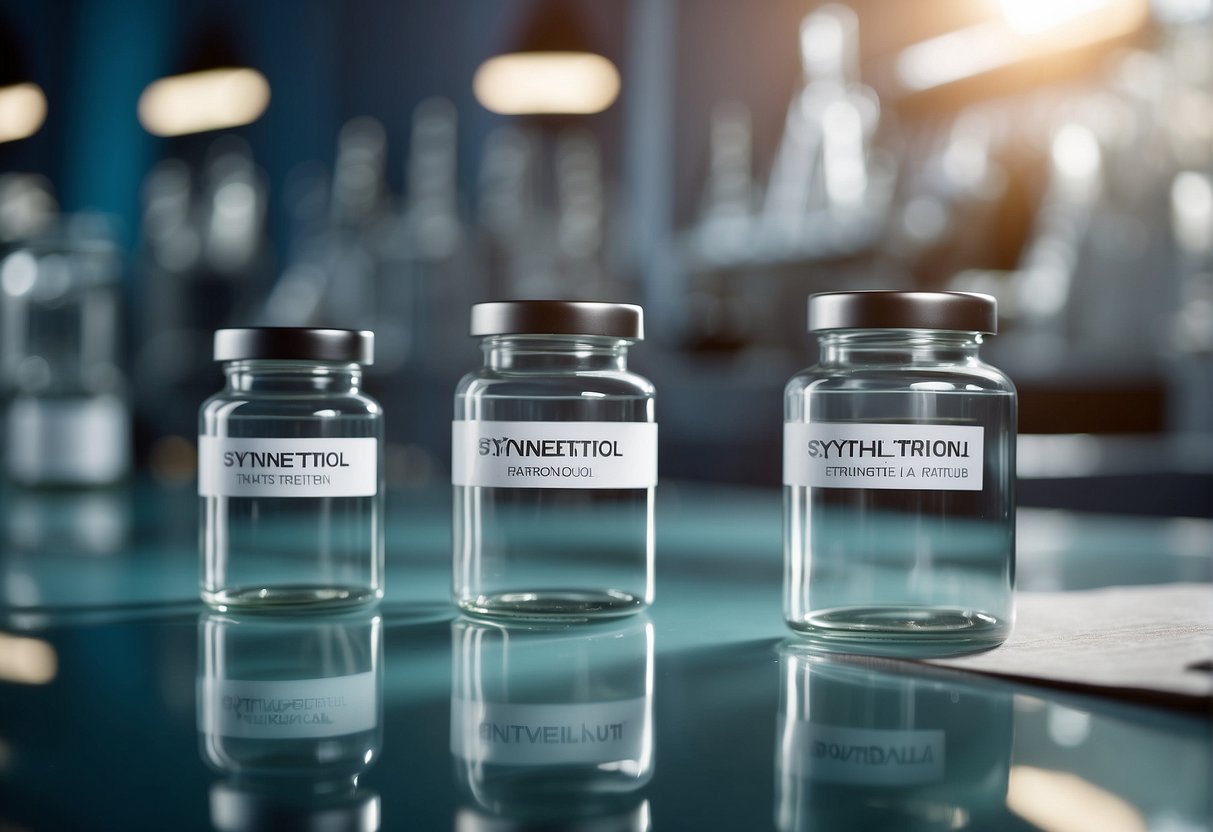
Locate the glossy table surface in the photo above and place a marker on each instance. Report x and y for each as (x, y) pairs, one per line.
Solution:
(125, 705)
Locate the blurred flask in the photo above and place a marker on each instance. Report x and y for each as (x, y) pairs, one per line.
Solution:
(823, 163)
(552, 727)
(863, 749)
(65, 396)
(205, 264)
(290, 711)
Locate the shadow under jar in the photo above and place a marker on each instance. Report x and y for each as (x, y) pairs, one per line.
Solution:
(289, 473)
(899, 472)
(554, 465)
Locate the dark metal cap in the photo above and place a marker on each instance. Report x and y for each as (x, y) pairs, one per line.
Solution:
(960, 311)
(295, 344)
(558, 317)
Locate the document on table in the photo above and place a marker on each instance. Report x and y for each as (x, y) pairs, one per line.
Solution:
(1133, 639)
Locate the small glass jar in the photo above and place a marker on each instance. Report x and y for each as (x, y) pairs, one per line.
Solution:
(899, 477)
(289, 477)
(554, 464)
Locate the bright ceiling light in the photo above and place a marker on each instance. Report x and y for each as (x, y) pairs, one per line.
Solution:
(213, 99)
(538, 83)
(1032, 16)
(22, 111)
(27, 661)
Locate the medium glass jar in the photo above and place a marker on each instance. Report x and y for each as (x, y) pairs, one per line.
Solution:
(554, 464)
(899, 477)
(289, 472)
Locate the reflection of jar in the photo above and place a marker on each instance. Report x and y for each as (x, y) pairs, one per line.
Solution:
(290, 710)
(859, 749)
(553, 723)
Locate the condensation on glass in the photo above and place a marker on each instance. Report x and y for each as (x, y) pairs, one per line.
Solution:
(554, 464)
(899, 474)
(289, 479)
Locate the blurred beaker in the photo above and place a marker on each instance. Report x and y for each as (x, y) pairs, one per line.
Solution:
(65, 397)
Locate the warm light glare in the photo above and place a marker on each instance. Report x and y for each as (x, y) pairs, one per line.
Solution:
(1026, 29)
(198, 101)
(1032, 16)
(955, 55)
(1057, 801)
(532, 83)
(22, 111)
(26, 661)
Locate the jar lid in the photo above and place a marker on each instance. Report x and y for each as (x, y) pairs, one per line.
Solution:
(558, 317)
(960, 311)
(295, 344)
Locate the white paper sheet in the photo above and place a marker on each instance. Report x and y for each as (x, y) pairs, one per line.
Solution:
(1143, 638)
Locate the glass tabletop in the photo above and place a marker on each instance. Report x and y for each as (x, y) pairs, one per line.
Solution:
(125, 704)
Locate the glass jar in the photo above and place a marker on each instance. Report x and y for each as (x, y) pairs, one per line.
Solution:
(899, 477)
(554, 465)
(289, 472)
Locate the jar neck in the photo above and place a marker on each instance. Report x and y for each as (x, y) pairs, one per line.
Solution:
(555, 353)
(850, 347)
(267, 377)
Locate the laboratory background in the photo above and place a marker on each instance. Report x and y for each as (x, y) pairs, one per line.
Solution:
(171, 168)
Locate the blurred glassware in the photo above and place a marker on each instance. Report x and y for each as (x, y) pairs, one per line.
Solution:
(65, 395)
(552, 725)
(205, 263)
(63, 550)
(858, 748)
(830, 184)
(290, 711)
(823, 167)
(27, 207)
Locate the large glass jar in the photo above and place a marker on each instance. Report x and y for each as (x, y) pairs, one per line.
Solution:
(554, 464)
(899, 475)
(289, 473)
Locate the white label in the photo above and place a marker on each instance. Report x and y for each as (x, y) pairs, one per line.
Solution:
(861, 455)
(287, 467)
(867, 756)
(535, 735)
(293, 709)
(554, 454)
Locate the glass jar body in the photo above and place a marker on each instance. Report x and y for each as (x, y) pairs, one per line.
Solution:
(290, 491)
(553, 474)
(899, 502)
